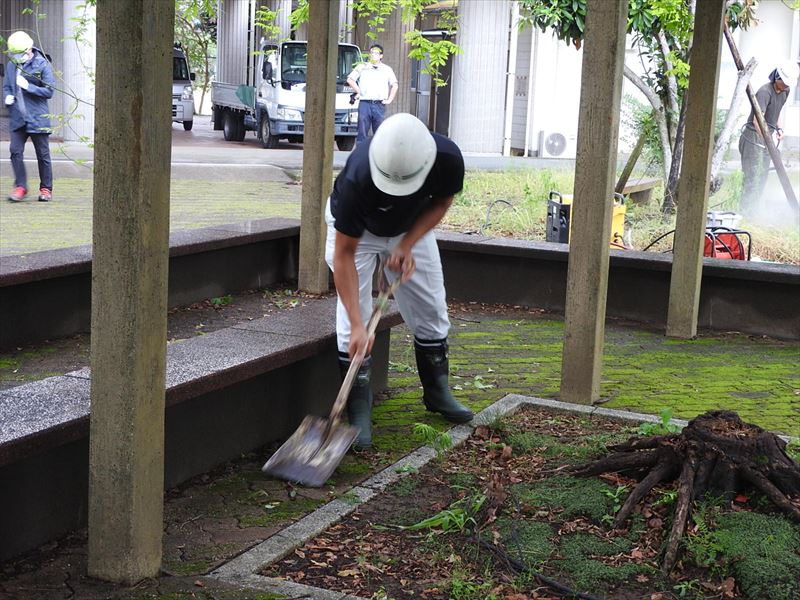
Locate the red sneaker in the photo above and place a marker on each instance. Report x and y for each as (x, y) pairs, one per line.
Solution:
(18, 195)
(45, 195)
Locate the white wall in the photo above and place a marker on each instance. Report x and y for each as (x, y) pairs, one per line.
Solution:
(479, 76)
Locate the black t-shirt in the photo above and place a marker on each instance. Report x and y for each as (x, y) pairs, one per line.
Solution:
(356, 204)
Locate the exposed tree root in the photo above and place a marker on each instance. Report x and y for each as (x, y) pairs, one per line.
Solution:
(716, 452)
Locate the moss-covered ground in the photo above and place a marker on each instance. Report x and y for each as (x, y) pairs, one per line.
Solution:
(492, 355)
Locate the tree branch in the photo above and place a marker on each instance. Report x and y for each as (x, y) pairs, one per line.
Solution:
(658, 114)
(724, 139)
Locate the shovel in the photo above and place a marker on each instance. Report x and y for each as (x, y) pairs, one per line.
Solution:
(314, 451)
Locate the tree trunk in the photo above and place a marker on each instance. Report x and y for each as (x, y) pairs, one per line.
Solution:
(671, 188)
(724, 140)
(716, 451)
(659, 114)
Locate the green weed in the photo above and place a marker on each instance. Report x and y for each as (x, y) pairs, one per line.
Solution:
(663, 427)
(221, 301)
(440, 441)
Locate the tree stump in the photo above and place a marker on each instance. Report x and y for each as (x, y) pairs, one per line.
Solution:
(715, 451)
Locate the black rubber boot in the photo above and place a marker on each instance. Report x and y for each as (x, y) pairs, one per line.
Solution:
(359, 402)
(434, 371)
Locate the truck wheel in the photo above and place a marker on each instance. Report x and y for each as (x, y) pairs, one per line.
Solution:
(187, 125)
(267, 139)
(233, 127)
(345, 143)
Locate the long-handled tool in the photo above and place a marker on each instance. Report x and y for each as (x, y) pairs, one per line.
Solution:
(314, 451)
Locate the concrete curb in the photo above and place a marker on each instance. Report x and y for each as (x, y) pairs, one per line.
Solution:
(243, 570)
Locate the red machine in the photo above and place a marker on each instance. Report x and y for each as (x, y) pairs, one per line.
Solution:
(726, 242)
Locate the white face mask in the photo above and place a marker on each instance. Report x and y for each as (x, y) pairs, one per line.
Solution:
(18, 57)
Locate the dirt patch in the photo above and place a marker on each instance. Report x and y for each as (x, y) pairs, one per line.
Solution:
(490, 517)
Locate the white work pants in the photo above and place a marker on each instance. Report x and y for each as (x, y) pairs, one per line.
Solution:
(421, 299)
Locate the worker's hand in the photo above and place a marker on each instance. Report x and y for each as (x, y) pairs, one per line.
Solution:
(779, 134)
(22, 82)
(9, 100)
(401, 261)
(358, 338)
(387, 101)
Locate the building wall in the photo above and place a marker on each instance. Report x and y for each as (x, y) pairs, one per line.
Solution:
(479, 76)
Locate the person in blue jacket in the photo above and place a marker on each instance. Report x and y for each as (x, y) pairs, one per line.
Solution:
(27, 85)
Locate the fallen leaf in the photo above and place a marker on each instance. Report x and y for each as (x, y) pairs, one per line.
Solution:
(727, 587)
(641, 578)
(300, 553)
(199, 583)
(741, 499)
(657, 596)
(347, 573)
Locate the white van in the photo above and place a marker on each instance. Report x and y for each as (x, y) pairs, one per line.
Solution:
(182, 92)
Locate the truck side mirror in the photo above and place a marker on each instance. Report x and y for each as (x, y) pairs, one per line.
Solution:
(266, 71)
(192, 76)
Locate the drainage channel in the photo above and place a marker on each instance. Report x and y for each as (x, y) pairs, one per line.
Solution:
(243, 571)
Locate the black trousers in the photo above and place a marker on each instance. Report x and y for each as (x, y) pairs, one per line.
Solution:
(41, 144)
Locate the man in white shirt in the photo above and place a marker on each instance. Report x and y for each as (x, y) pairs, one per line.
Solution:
(375, 86)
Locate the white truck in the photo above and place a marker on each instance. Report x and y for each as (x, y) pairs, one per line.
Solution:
(275, 106)
(182, 93)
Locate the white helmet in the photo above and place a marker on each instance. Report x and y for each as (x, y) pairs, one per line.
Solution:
(401, 155)
(788, 71)
(19, 42)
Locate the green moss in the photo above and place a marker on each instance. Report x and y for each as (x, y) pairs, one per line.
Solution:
(587, 574)
(353, 469)
(281, 511)
(184, 568)
(527, 541)
(763, 553)
(577, 497)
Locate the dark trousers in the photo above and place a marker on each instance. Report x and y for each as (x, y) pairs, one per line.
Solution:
(369, 114)
(41, 144)
(755, 167)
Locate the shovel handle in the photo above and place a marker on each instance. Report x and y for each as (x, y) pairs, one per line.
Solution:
(358, 359)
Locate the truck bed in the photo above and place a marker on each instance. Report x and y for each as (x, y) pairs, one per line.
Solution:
(224, 94)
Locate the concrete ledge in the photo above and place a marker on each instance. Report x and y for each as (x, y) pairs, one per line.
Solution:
(227, 392)
(757, 298)
(44, 295)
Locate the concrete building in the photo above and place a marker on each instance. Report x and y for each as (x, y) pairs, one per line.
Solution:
(510, 90)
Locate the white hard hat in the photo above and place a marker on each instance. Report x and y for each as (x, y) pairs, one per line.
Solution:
(789, 72)
(401, 155)
(19, 41)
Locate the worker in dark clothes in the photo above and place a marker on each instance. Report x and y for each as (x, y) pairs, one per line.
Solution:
(390, 195)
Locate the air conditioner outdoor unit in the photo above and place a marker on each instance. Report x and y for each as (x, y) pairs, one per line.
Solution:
(556, 144)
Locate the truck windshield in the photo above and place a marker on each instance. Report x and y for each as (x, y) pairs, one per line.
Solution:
(180, 71)
(294, 62)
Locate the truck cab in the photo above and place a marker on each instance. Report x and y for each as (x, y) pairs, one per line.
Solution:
(281, 92)
(182, 92)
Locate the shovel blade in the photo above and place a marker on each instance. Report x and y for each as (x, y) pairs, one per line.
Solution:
(312, 453)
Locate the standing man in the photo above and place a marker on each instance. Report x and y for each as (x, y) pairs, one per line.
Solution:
(375, 86)
(27, 85)
(385, 203)
(755, 158)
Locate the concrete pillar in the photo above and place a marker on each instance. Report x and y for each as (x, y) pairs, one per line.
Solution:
(701, 97)
(129, 288)
(318, 143)
(587, 273)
